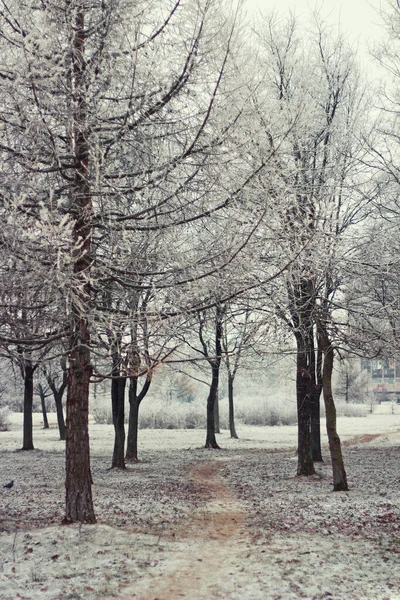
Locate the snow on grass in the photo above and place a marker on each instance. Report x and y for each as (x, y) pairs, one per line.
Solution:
(251, 531)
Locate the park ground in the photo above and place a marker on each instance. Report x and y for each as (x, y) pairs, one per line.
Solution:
(186, 522)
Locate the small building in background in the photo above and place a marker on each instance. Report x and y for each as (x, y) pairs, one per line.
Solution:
(382, 378)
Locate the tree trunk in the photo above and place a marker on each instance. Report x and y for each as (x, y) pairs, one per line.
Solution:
(338, 470)
(133, 428)
(60, 414)
(78, 481)
(134, 405)
(315, 405)
(58, 394)
(216, 415)
(215, 363)
(27, 443)
(211, 441)
(44, 410)
(118, 411)
(305, 465)
(232, 428)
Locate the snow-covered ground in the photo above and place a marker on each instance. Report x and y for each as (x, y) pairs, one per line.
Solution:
(186, 522)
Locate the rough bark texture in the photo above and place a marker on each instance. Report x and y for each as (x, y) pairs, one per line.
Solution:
(338, 470)
(78, 482)
(79, 503)
(29, 369)
(118, 412)
(305, 465)
(232, 428)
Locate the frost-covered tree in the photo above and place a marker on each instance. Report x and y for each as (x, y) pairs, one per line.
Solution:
(314, 87)
(116, 124)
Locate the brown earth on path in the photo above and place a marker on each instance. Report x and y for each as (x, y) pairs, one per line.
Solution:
(216, 540)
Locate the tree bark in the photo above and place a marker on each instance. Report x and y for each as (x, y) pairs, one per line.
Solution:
(315, 402)
(118, 411)
(78, 481)
(305, 465)
(232, 428)
(133, 427)
(216, 414)
(42, 396)
(338, 470)
(29, 369)
(211, 441)
(58, 394)
(60, 414)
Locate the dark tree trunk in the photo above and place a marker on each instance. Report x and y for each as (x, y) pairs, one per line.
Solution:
(42, 396)
(134, 405)
(211, 441)
(78, 481)
(216, 415)
(338, 470)
(315, 404)
(118, 412)
(29, 369)
(305, 465)
(60, 414)
(133, 428)
(58, 394)
(232, 428)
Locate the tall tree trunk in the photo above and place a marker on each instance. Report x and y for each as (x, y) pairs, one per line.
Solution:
(134, 404)
(315, 402)
(29, 369)
(60, 414)
(58, 394)
(118, 412)
(133, 428)
(211, 441)
(305, 465)
(338, 470)
(232, 428)
(216, 414)
(78, 481)
(42, 396)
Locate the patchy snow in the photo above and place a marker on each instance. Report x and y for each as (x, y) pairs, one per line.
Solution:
(186, 522)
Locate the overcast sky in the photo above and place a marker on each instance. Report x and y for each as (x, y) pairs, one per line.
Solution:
(358, 19)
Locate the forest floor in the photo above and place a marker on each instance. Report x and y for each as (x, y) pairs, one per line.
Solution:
(185, 522)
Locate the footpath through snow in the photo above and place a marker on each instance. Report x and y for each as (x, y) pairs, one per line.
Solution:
(235, 524)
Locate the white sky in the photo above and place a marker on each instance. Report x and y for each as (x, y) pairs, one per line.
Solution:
(358, 19)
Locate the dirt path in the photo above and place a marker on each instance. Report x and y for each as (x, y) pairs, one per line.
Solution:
(210, 547)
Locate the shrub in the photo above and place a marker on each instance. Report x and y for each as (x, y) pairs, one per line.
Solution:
(267, 413)
(344, 409)
(4, 419)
